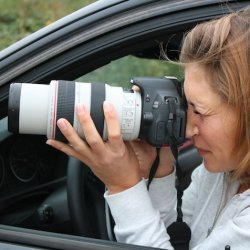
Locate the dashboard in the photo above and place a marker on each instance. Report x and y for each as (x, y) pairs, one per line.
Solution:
(30, 170)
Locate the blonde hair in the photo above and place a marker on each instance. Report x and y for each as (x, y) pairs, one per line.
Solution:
(222, 45)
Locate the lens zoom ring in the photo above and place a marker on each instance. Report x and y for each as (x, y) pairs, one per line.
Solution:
(98, 96)
(65, 105)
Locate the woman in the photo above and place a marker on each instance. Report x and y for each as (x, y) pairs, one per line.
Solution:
(216, 205)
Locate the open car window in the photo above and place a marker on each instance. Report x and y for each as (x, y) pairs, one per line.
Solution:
(120, 71)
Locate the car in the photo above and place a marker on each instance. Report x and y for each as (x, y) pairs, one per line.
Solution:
(47, 199)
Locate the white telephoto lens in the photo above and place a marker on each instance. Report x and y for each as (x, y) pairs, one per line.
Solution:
(42, 105)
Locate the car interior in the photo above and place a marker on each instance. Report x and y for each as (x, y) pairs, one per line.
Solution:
(43, 189)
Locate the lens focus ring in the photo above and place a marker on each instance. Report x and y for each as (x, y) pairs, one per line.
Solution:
(65, 105)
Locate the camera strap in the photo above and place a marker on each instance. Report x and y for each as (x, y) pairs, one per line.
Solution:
(179, 231)
(153, 169)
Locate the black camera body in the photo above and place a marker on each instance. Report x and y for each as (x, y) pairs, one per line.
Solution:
(163, 110)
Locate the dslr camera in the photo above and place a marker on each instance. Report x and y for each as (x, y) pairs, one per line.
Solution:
(157, 113)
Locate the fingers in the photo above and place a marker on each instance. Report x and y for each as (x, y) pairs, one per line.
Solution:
(92, 136)
(65, 148)
(79, 148)
(135, 88)
(72, 137)
(67, 130)
(113, 126)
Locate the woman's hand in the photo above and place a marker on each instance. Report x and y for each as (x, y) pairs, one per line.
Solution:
(146, 155)
(166, 162)
(114, 161)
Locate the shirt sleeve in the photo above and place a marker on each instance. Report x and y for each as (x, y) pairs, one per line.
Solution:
(190, 196)
(137, 221)
(162, 192)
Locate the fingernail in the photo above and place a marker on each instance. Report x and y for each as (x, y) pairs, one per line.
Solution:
(49, 142)
(61, 123)
(106, 106)
(80, 109)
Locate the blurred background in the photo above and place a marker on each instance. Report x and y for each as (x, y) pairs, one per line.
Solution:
(19, 18)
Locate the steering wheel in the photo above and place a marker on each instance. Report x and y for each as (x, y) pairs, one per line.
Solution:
(85, 200)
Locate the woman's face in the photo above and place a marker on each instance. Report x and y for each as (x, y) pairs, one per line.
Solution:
(211, 123)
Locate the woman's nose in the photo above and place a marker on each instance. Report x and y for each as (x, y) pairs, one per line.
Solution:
(191, 127)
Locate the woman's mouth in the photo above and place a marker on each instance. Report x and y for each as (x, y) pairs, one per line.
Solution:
(202, 151)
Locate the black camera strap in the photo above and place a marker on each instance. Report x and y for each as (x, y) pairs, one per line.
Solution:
(153, 169)
(179, 231)
(179, 175)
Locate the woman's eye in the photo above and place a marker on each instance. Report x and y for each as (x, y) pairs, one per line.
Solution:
(197, 112)
(194, 111)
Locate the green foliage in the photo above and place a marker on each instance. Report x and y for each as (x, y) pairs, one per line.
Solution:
(119, 72)
(19, 18)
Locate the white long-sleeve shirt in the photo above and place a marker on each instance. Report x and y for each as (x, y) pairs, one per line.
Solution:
(216, 215)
